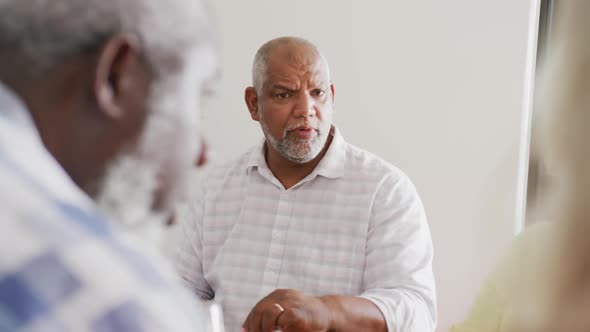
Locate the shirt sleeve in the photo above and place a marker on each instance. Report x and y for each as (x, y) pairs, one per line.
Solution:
(398, 276)
(189, 262)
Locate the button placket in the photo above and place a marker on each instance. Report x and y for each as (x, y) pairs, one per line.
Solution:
(278, 239)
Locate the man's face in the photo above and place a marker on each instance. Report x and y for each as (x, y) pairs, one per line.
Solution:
(145, 182)
(295, 104)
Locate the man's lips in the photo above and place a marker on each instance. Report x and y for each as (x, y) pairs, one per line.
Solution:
(303, 132)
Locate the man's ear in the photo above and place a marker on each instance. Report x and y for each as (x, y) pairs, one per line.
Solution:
(333, 92)
(116, 75)
(251, 98)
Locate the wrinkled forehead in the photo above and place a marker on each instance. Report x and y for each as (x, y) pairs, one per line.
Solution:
(297, 65)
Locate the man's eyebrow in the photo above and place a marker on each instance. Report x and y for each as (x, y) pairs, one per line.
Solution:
(282, 87)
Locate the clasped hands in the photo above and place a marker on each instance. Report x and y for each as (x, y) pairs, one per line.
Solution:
(289, 310)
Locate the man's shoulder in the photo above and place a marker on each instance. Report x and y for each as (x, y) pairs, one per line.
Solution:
(59, 257)
(23, 199)
(99, 283)
(363, 163)
(35, 223)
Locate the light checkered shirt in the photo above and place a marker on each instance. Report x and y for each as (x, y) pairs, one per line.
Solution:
(62, 268)
(355, 226)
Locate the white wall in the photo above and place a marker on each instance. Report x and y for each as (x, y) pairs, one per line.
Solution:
(434, 87)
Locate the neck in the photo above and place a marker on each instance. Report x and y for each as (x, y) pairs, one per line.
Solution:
(54, 102)
(288, 172)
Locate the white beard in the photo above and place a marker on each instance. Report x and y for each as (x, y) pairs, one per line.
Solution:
(169, 143)
(127, 196)
(128, 191)
(296, 150)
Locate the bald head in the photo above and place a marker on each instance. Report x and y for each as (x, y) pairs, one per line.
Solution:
(284, 49)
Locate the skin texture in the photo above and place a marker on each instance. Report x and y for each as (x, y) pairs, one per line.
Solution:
(89, 109)
(303, 313)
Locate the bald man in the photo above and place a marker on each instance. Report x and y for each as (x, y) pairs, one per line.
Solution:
(306, 232)
(99, 129)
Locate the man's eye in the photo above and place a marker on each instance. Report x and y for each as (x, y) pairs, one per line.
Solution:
(283, 95)
(318, 92)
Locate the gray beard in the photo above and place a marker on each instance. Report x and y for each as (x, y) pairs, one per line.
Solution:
(296, 150)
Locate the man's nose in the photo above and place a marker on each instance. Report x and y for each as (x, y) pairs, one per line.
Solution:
(305, 106)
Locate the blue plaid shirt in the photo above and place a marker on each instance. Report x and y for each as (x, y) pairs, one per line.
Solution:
(62, 266)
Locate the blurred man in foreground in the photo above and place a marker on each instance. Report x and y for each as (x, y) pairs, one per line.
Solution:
(99, 112)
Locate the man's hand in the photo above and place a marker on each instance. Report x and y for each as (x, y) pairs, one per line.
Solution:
(290, 311)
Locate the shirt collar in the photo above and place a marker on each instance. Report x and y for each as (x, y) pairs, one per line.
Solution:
(12, 109)
(331, 166)
(21, 145)
(256, 156)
